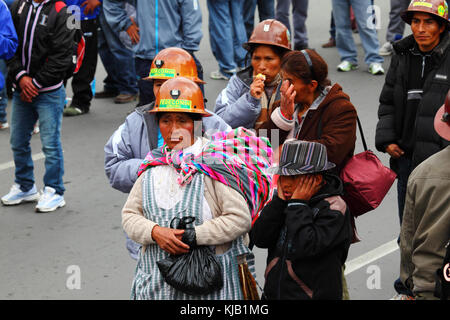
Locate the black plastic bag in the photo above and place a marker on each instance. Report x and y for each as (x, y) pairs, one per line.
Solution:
(196, 272)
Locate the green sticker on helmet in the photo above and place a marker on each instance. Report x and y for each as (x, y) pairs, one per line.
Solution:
(288, 36)
(175, 103)
(162, 72)
(423, 4)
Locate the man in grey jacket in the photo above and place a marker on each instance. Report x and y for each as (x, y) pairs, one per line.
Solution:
(130, 143)
(426, 218)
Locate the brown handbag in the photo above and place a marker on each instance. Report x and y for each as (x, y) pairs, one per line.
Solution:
(248, 283)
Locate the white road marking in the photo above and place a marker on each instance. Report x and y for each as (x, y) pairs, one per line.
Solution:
(10, 164)
(370, 256)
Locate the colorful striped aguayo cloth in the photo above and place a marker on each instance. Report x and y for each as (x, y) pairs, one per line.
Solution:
(237, 158)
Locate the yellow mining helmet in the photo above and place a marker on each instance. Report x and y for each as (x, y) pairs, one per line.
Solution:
(180, 94)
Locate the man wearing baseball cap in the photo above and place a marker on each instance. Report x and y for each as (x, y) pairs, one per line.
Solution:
(426, 220)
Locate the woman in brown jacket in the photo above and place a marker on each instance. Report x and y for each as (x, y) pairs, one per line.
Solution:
(311, 109)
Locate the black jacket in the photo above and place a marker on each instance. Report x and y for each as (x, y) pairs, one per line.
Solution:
(393, 111)
(308, 244)
(45, 49)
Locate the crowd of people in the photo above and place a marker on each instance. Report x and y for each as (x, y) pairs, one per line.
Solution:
(263, 168)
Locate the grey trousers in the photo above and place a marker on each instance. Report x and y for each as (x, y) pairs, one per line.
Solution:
(299, 15)
(396, 25)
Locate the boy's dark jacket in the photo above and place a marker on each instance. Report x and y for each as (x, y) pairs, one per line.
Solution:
(46, 53)
(308, 244)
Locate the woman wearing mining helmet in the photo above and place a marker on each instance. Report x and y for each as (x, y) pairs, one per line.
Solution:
(130, 143)
(191, 176)
(139, 134)
(248, 99)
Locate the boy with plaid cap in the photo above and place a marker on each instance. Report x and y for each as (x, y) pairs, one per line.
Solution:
(306, 227)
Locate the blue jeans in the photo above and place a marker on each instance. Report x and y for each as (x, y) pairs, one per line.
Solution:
(344, 35)
(227, 34)
(299, 15)
(117, 60)
(48, 108)
(266, 10)
(3, 95)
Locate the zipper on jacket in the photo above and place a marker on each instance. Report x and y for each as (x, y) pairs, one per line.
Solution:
(283, 259)
(30, 26)
(25, 43)
(424, 56)
(423, 66)
(34, 19)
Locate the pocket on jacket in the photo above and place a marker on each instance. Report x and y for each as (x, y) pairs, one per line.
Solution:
(415, 94)
(270, 266)
(294, 277)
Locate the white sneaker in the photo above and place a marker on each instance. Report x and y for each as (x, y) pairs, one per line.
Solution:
(16, 196)
(346, 66)
(4, 125)
(376, 68)
(386, 49)
(50, 201)
(217, 75)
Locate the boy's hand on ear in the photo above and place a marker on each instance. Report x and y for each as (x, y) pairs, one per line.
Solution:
(307, 187)
(280, 190)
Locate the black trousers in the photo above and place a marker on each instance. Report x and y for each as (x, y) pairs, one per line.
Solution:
(81, 81)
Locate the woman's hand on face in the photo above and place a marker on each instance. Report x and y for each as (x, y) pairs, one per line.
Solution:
(257, 87)
(307, 187)
(170, 240)
(287, 103)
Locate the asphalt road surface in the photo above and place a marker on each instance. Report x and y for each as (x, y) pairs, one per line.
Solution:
(78, 252)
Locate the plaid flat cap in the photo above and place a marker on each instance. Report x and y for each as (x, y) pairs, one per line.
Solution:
(302, 157)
